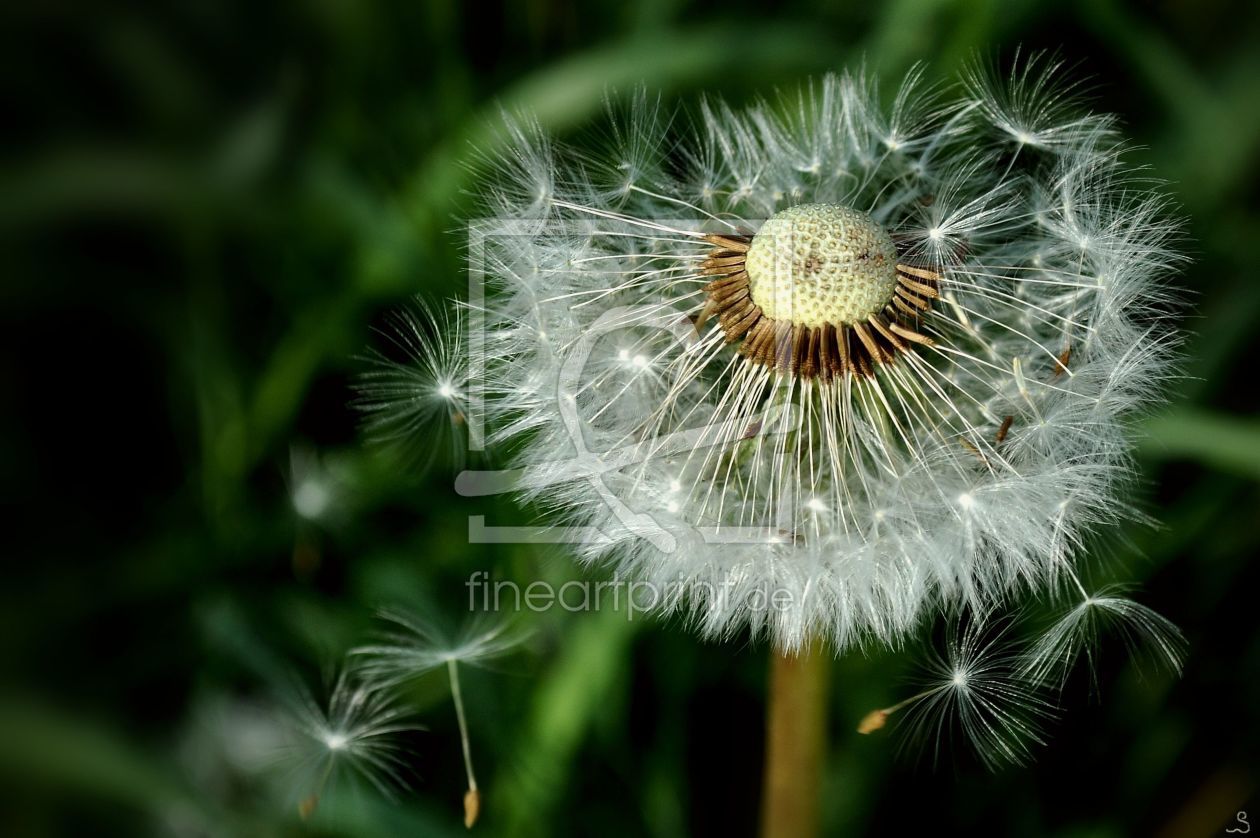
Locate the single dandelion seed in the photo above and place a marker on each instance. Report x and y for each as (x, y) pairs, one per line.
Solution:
(414, 394)
(1079, 631)
(412, 647)
(974, 690)
(356, 731)
(1034, 104)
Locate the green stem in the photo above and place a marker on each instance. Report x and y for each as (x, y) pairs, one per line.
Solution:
(796, 744)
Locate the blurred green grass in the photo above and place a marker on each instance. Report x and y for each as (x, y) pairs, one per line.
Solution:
(205, 208)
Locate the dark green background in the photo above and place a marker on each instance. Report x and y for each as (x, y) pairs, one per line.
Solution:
(204, 208)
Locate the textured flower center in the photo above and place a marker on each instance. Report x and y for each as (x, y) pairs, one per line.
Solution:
(817, 292)
(819, 264)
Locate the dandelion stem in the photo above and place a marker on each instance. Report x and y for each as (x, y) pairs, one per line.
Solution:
(472, 799)
(796, 743)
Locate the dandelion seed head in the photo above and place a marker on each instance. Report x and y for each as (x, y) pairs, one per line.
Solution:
(852, 352)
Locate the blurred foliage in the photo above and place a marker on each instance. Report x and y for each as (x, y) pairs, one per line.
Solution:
(204, 209)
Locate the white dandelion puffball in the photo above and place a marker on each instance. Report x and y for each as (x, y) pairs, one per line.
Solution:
(820, 368)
